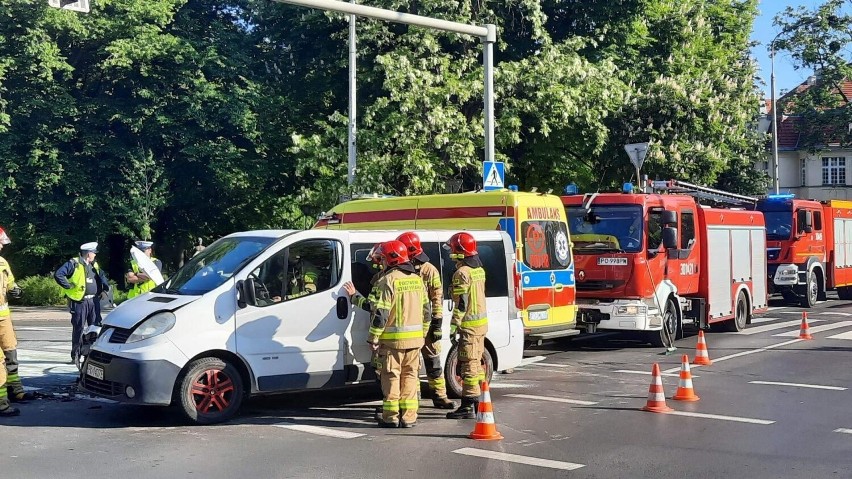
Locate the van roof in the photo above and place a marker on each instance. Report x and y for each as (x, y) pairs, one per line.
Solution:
(262, 233)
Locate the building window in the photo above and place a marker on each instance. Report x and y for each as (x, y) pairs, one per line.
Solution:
(804, 164)
(834, 170)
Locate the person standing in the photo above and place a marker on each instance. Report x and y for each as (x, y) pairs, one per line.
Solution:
(470, 320)
(11, 388)
(431, 351)
(199, 246)
(81, 279)
(142, 283)
(396, 331)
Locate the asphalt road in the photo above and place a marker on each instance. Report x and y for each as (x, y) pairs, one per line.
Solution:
(771, 406)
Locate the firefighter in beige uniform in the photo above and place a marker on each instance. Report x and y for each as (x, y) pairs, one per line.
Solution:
(435, 291)
(11, 389)
(396, 331)
(470, 320)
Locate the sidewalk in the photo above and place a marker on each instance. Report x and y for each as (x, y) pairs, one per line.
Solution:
(40, 313)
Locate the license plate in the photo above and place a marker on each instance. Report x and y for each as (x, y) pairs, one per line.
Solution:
(612, 261)
(538, 315)
(95, 371)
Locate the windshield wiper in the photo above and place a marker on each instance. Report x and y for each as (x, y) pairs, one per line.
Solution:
(600, 247)
(174, 291)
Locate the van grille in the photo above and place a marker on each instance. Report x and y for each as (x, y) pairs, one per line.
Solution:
(100, 357)
(104, 388)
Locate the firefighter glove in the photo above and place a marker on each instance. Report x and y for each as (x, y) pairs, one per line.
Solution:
(16, 292)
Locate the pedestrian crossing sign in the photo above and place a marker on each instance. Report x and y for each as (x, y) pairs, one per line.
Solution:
(493, 175)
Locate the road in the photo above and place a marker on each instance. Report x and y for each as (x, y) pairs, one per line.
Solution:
(771, 406)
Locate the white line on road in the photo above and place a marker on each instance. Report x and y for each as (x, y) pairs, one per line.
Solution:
(551, 365)
(847, 336)
(503, 385)
(770, 327)
(534, 359)
(722, 418)
(737, 355)
(799, 313)
(40, 328)
(674, 372)
(817, 329)
(552, 399)
(812, 386)
(843, 430)
(763, 320)
(836, 313)
(530, 461)
(320, 431)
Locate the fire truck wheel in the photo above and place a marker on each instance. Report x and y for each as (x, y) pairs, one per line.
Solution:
(811, 292)
(740, 315)
(671, 323)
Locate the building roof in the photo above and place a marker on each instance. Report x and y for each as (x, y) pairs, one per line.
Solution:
(791, 127)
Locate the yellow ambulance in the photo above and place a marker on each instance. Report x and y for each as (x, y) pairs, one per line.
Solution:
(544, 290)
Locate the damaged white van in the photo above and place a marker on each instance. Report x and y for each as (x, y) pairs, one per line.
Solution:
(241, 319)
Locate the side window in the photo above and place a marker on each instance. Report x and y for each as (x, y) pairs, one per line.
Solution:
(687, 229)
(302, 269)
(655, 229)
(362, 269)
(493, 258)
(800, 220)
(546, 245)
(817, 220)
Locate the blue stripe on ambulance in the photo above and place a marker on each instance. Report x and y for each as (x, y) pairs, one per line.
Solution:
(542, 279)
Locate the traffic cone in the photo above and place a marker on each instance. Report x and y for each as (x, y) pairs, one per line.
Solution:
(684, 386)
(485, 429)
(804, 333)
(701, 356)
(656, 394)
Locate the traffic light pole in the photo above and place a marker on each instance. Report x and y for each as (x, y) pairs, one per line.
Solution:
(487, 33)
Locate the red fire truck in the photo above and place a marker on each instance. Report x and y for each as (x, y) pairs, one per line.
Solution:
(650, 262)
(809, 247)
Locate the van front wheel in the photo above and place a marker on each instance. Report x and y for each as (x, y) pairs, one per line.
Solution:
(209, 391)
(452, 370)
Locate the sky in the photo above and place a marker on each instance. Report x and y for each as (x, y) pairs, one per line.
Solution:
(786, 77)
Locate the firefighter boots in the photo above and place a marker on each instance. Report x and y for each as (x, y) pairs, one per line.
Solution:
(467, 410)
(443, 403)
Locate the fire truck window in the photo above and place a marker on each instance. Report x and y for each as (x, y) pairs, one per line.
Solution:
(817, 221)
(687, 228)
(655, 229)
(493, 258)
(800, 220)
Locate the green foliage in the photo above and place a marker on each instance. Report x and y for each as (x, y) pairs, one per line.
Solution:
(40, 291)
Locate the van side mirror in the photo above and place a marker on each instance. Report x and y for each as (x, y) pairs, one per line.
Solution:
(246, 293)
(669, 217)
(670, 237)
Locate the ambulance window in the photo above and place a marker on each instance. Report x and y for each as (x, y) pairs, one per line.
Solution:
(546, 245)
(655, 229)
(687, 228)
(300, 270)
(493, 258)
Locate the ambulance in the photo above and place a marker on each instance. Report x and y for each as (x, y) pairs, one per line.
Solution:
(536, 222)
(234, 322)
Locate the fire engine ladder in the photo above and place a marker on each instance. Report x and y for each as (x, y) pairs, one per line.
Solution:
(719, 196)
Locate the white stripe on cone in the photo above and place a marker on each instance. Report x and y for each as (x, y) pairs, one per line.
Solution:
(485, 417)
(658, 397)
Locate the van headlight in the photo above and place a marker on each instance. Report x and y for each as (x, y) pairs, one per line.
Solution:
(156, 324)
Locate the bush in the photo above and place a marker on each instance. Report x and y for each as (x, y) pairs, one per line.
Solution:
(40, 291)
(118, 296)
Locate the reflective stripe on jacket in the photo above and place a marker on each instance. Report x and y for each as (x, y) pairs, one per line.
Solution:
(397, 320)
(78, 280)
(470, 313)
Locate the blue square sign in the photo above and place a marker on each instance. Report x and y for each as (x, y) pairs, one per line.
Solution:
(493, 175)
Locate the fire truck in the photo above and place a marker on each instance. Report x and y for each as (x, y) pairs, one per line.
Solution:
(651, 262)
(809, 247)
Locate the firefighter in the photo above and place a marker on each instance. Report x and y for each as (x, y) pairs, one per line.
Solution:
(396, 331)
(367, 304)
(470, 320)
(431, 351)
(11, 389)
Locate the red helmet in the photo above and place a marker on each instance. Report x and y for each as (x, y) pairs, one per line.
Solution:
(412, 243)
(4, 238)
(393, 253)
(463, 244)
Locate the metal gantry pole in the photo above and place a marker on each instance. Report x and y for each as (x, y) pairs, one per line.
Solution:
(487, 33)
(353, 104)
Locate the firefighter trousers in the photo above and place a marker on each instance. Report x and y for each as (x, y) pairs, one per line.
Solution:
(471, 348)
(432, 359)
(10, 382)
(400, 384)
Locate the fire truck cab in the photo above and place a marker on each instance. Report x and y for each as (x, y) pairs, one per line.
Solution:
(650, 262)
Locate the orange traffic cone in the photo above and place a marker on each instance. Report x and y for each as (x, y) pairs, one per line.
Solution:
(701, 356)
(684, 386)
(485, 429)
(656, 394)
(804, 333)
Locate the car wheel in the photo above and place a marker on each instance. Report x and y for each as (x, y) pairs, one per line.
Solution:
(452, 371)
(209, 391)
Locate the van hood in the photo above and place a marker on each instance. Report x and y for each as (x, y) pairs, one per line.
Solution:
(129, 313)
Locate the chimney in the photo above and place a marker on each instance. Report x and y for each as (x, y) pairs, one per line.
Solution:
(811, 81)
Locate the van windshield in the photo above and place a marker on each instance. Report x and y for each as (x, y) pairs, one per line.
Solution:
(214, 265)
(606, 228)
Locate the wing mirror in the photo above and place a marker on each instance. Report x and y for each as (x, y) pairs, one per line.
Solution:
(669, 217)
(246, 293)
(670, 237)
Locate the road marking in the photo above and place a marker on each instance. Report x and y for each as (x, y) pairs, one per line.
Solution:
(320, 431)
(843, 430)
(835, 313)
(770, 327)
(847, 335)
(817, 329)
(791, 312)
(530, 461)
(534, 359)
(775, 308)
(670, 372)
(552, 399)
(503, 385)
(60, 347)
(737, 355)
(721, 418)
(41, 328)
(763, 320)
(812, 386)
(551, 364)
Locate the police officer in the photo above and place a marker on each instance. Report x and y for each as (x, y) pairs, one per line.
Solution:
(11, 389)
(435, 291)
(470, 320)
(141, 282)
(82, 281)
(396, 331)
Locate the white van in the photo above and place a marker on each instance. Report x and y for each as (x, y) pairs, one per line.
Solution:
(235, 321)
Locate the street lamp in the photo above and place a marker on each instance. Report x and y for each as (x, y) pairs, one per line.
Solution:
(774, 111)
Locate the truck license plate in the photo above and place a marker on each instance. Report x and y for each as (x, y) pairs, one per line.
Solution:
(612, 261)
(95, 371)
(538, 315)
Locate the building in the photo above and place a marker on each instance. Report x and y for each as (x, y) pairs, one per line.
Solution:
(821, 175)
